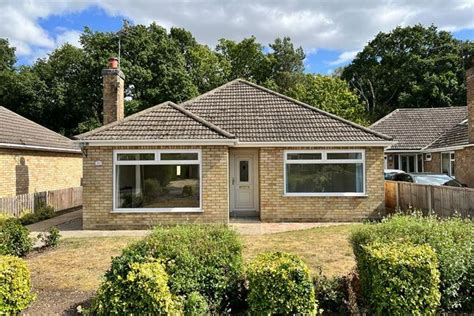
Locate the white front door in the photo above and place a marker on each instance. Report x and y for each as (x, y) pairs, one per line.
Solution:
(243, 182)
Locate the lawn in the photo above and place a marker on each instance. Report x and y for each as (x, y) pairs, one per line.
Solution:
(74, 269)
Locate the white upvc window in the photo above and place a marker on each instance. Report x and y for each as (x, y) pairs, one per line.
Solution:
(157, 180)
(447, 163)
(324, 172)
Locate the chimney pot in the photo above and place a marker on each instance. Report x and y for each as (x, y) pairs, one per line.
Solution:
(113, 63)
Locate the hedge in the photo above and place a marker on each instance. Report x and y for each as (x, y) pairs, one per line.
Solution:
(399, 279)
(280, 283)
(206, 259)
(453, 242)
(144, 290)
(14, 238)
(15, 285)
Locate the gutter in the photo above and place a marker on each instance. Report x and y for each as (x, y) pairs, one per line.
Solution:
(39, 148)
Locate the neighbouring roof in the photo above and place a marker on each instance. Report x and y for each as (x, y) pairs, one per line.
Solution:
(238, 110)
(19, 132)
(456, 136)
(414, 129)
(166, 121)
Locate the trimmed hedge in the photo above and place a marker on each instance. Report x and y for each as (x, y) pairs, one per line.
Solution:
(206, 259)
(15, 285)
(196, 305)
(332, 294)
(14, 239)
(399, 279)
(453, 242)
(143, 291)
(280, 283)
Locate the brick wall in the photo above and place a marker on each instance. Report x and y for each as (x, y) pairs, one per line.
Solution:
(274, 207)
(435, 164)
(28, 171)
(98, 191)
(464, 166)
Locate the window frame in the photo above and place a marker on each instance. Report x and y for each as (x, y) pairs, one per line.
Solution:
(156, 161)
(451, 159)
(324, 160)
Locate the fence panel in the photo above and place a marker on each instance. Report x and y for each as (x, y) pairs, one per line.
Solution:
(60, 200)
(441, 200)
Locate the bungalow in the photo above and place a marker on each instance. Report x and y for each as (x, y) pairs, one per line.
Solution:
(238, 150)
(439, 140)
(34, 158)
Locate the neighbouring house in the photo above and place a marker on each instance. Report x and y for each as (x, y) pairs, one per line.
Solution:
(238, 150)
(439, 140)
(34, 158)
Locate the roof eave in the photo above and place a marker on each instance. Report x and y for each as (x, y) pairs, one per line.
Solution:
(158, 142)
(39, 148)
(317, 144)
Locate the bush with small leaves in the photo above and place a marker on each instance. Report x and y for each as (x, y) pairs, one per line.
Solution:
(51, 237)
(196, 305)
(14, 239)
(15, 285)
(280, 283)
(144, 291)
(399, 279)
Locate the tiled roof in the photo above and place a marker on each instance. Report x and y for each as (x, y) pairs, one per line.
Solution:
(240, 110)
(17, 131)
(414, 129)
(166, 121)
(255, 114)
(456, 136)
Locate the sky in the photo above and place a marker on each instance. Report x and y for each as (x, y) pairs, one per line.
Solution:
(330, 31)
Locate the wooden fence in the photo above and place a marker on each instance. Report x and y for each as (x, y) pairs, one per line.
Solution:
(61, 199)
(441, 200)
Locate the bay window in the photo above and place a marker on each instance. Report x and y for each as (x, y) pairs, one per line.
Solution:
(157, 180)
(325, 173)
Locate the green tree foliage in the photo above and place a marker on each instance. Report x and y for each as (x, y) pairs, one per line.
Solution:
(329, 94)
(7, 55)
(412, 66)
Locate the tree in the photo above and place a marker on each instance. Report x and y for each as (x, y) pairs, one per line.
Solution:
(246, 59)
(329, 94)
(412, 66)
(286, 64)
(7, 55)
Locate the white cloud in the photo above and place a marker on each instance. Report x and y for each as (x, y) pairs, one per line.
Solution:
(344, 58)
(337, 25)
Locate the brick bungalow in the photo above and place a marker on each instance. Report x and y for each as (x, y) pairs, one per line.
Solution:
(438, 140)
(238, 150)
(34, 158)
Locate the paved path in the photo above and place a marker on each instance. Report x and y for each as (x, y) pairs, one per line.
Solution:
(70, 225)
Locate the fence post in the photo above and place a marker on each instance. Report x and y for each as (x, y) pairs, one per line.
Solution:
(430, 197)
(397, 194)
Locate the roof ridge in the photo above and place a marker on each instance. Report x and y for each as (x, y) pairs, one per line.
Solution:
(37, 124)
(210, 92)
(433, 108)
(202, 121)
(104, 127)
(315, 109)
(384, 118)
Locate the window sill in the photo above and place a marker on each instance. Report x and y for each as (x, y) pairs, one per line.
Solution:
(137, 210)
(361, 195)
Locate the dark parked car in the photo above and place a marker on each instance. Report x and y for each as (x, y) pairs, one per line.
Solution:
(428, 178)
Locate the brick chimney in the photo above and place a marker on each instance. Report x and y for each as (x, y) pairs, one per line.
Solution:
(113, 81)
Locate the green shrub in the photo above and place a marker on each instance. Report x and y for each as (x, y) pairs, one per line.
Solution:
(332, 294)
(279, 283)
(198, 258)
(15, 286)
(14, 239)
(51, 237)
(399, 279)
(41, 213)
(144, 291)
(196, 305)
(450, 238)
(3, 218)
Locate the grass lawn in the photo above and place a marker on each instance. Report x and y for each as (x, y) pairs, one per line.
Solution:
(79, 263)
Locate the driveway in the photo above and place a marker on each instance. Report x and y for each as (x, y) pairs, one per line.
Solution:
(70, 225)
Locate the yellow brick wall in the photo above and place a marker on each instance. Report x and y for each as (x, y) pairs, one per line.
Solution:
(98, 192)
(275, 207)
(38, 171)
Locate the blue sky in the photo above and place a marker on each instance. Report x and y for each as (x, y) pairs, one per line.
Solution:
(330, 32)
